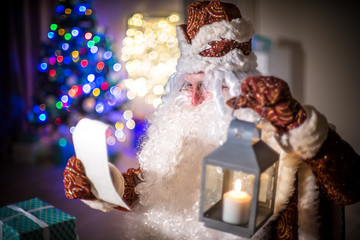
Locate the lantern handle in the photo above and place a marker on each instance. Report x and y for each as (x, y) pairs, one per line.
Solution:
(236, 100)
(261, 115)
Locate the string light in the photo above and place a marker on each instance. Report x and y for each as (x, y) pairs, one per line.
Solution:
(150, 54)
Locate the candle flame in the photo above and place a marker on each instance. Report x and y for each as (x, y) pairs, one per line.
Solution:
(237, 185)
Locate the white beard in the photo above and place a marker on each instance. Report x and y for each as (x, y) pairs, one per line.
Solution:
(179, 137)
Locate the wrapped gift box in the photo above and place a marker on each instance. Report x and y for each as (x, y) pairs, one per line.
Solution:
(35, 219)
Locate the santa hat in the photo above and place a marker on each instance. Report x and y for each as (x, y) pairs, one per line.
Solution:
(215, 37)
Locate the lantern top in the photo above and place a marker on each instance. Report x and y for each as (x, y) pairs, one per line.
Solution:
(240, 153)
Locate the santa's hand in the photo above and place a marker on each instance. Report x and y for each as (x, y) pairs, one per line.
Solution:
(76, 184)
(273, 94)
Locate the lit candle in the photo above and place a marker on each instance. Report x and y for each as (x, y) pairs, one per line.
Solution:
(236, 205)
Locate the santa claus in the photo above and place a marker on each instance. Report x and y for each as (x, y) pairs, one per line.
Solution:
(318, 171)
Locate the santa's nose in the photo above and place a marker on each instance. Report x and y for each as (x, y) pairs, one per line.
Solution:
(197, 97)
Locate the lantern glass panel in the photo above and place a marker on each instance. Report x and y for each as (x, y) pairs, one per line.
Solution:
(266, 194)
(218, 183)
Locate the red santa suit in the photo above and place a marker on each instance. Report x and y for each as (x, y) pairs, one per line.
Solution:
(317, 170)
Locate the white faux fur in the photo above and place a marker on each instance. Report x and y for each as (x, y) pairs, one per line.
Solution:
(190, 61)
(308, 197)
(306, 139)
(238, 29)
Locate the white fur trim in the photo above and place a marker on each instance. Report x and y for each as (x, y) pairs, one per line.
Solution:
(308, 205)
(306, 139)
(290, 163)
(239, 30)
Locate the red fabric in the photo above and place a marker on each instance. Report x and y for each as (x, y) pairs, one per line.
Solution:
(76, 184)
(207, 12)
(284, 112)
(221, 48)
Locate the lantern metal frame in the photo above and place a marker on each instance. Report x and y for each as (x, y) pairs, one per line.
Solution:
(238, 153)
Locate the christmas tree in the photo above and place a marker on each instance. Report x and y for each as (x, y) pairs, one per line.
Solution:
(79, 76)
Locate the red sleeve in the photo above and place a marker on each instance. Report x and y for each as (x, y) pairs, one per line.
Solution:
(131, 179)
(336, 168)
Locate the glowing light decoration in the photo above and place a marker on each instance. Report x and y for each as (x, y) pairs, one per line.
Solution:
(42, 117)
(107, 55)
(67, 36)
(62, 142)
(82, 9)
(65, 46)
(53, 26)
(94, 49)
(51, 35)
(150, 52)
(79, 74)
(75, 32)
(86, 88)
(88, 35)
(43, 67)
(117, 67)
(99, 108)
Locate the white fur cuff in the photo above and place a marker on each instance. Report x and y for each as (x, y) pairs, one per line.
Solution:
(307, 139)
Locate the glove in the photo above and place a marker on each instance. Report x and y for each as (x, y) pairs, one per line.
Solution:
(76, 184)
(273, 94)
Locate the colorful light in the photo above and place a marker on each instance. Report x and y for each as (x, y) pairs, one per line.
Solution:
(67, 36)
(53, 26)
(84, 63)
(59, 105)
(60, 58)
(96, 92)
(75, 54)
(60, 9)
(110, 140)
(100, 65)
(130, 124)
(50, 35)
(94, 49)
(52, 72)
(82, 8)
(67, 71)
(52, 60)
(57, 121)
(99, 108)
(64, 98)
(88, 35)
(119, 133)
(72, 129)
(62, 142)
(119, 125)
(65, 46)
(43, 67)
(90, 43)
(67, 11)
(42, 107)
(96, 39)
(61, 32)
(107, 55)
(108, 133)
(117, 67)
(88, 12)
(91, 77)
(104, 86)
(128, 114)
(75, 32)
(86, 88)
(42, 117)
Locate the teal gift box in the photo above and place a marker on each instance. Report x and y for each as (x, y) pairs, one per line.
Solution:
(35, 219)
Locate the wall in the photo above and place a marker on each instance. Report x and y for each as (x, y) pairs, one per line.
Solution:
(326, 35)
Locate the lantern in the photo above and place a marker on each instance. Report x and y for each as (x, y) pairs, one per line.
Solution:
(238, 185)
